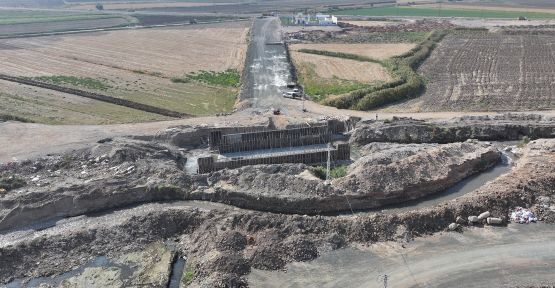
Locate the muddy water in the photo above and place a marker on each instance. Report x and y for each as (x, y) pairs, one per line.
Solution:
(177, 272)
(463, 187)
(56, 281)
(520, 255)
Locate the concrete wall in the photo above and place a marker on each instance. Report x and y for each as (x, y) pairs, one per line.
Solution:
(342, 152)
(226, 143)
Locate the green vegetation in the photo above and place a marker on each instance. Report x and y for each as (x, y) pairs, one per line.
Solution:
(444, 12)
(407, 84)
(85, 82)
(335, 172)
(341, 55)
(393, 37)
(52, 108)
(319, 88)
(8, 117)
(189, 274)
(523, 142)
(10, 183)
(286, 21)
(42, 16)
(228, 78)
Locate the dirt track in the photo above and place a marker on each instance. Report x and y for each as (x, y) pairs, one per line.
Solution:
(490, 257)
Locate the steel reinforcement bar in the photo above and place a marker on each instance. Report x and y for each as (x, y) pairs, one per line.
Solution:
(95, 96)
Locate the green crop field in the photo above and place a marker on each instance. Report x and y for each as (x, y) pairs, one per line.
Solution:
(444, 12)
(39, 16)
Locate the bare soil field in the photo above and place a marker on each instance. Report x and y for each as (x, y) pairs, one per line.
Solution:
(138, 64)
(330, 67)
(375, 51)
(488, 72)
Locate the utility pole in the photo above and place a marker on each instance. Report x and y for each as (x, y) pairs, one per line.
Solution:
(328, 166)
(384, 278)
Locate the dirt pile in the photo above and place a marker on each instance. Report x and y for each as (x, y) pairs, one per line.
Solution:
(484, 128)
(392, 175)
(222, 244)
(375, 34)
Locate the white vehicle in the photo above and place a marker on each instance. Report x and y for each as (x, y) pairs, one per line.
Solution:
(292, 94)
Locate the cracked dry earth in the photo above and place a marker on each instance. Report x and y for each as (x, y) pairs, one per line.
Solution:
(119, 214)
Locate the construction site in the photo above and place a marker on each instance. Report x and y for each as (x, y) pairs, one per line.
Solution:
(251, 150)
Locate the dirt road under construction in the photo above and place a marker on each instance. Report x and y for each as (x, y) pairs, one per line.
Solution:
(267, 72)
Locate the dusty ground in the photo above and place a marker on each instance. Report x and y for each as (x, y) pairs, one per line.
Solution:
(517, 255)
(330, 67)
(375, 51)
(221, 243)
(133, 65)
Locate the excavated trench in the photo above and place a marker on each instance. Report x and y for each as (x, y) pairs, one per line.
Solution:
(176, 268)
(459, 189)
(465, 186)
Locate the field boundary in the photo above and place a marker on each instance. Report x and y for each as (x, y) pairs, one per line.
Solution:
(96, 96)
(341, 55)
(128, 26)
(403, 67)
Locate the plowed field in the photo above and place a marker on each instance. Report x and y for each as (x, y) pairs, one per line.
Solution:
(488, 72)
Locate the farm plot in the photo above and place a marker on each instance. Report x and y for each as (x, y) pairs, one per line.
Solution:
(375, 51)
(39, 21)
(330, 67)
(488, 72)
(137, 65)
(52, 107)
(324, 76)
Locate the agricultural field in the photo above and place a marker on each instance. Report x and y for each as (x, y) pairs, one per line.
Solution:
(139, 65)
(51, 107)
(135, 5)
(331, 67)
(488, 72)
(323, 76)
(38, 21)
(374, 51)
(423, 11)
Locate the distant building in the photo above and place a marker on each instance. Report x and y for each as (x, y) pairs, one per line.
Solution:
(314, 20)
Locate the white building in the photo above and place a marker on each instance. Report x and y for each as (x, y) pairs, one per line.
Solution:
(317, 20)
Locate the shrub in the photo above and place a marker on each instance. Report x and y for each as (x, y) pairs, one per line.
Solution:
(228, 78)
(335, 172)
(85, 82)
(7, 117)
(408, 84)
(523, 142)
(10, 183)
